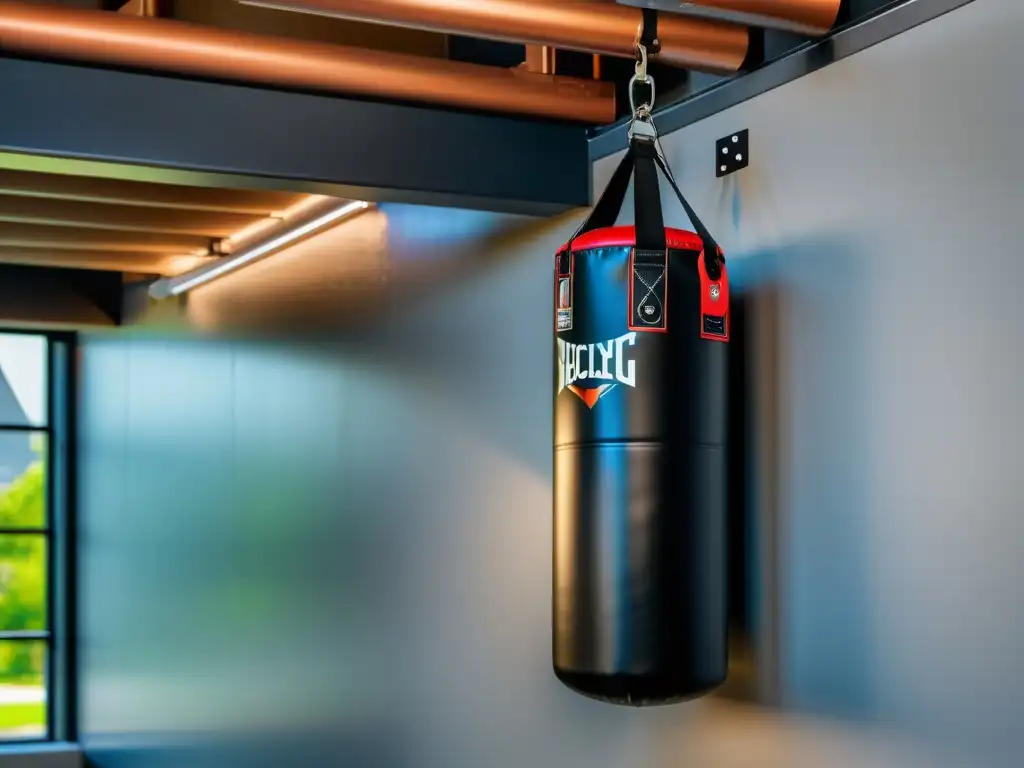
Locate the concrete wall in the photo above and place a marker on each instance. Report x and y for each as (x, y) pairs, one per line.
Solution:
(316, 500)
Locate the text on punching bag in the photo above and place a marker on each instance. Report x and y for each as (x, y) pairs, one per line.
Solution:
(600, 362)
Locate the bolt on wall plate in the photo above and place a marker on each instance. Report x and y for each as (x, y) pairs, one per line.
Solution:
(732, 153)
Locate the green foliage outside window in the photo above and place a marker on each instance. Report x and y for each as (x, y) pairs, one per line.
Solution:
(23, 601)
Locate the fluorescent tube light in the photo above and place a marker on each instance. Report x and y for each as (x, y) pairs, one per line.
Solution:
(174, 286)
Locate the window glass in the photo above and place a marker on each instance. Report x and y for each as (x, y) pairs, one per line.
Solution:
(26, 639)
(22, 582)
(23, 385)
(22, 689)
(22, 479)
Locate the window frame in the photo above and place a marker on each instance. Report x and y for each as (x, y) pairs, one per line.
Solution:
(57, 528)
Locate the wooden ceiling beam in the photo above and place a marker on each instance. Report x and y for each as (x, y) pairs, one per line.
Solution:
(142, 193)
(133, 218)
(80, 238)
(107, 261)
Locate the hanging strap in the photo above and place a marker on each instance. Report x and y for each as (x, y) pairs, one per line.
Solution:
(606, 211)
(713, 256)
(650, 226)
(649, 30)
(641, 163)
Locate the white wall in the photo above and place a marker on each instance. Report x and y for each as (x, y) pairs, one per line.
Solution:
(882, 208)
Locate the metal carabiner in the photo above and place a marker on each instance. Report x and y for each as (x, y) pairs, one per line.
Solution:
(642, 123)
(647, 106)
(641, 76)
(641, 63)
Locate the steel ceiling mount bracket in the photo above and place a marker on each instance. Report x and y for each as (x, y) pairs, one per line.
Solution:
(732, 153)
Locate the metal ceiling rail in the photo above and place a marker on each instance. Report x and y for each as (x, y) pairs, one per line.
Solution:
(889, 20)
(283, 139)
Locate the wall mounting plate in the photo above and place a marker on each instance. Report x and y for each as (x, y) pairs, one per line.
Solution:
(732, 153)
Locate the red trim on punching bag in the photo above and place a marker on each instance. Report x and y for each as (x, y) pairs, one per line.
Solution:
(612, 237)
(714, 303)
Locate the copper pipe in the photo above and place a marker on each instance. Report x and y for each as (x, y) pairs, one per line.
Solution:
(595, 26)
(814, 17)
(189, 49)
(140, 8)
(540, 58)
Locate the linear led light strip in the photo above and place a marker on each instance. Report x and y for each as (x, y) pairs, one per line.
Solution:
(173, 286)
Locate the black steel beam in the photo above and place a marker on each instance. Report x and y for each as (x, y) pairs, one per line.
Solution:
(883, 21)
(70, 299)
(222, 134)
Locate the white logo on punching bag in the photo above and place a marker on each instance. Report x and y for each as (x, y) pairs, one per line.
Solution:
(590, 371)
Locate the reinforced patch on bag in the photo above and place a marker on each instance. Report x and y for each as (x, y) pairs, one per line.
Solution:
(563, 292)
(648, 291)
(714, 304)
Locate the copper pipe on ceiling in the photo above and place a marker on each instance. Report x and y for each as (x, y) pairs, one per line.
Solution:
(595, 26)
(140, 8)
(118, 39)
(540, 58)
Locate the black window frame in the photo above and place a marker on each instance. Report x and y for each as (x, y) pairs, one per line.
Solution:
(58, 528)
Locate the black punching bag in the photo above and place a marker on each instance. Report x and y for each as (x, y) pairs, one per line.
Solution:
(639, 592)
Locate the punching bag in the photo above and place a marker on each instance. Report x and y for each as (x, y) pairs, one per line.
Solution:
(641, 317)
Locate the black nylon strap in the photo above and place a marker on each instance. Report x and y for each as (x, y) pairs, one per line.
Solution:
(698, 225)
(650, 226)
(609, 205)
(642, 160)
(712, 253)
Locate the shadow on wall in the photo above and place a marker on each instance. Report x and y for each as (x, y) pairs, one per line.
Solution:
(821, 291)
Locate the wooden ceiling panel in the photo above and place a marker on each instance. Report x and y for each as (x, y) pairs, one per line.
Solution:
(52, 219)
(78, 238)
(141, 193)
(141, 263)
(130, 218)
